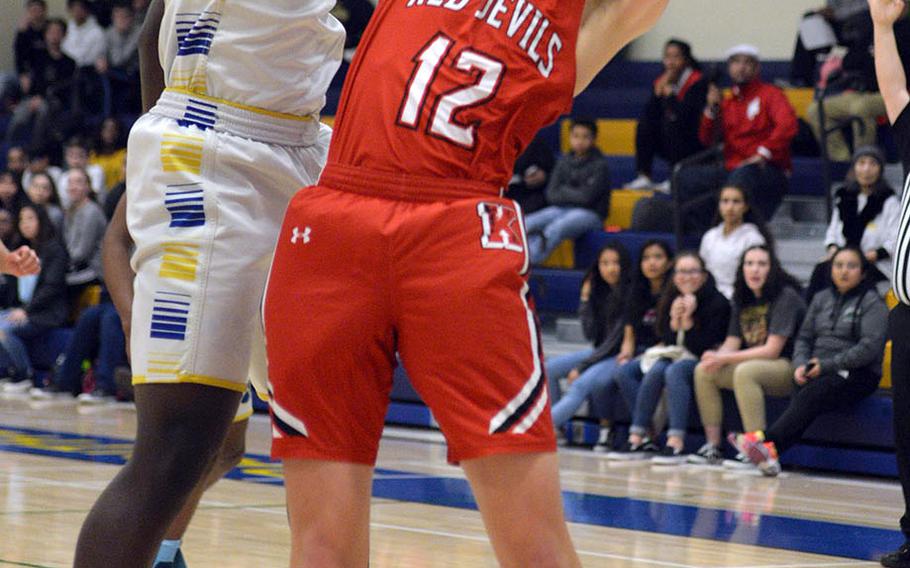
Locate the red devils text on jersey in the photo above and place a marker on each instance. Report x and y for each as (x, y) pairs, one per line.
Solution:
(455, 89)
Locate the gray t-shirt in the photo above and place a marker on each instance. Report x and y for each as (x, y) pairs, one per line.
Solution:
(753, 324)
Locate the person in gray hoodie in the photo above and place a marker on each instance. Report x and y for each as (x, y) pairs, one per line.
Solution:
(837, 358)
(578, 195)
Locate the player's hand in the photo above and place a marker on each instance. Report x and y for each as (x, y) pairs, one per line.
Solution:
(21, 262)
(572, 376)
(886, 12)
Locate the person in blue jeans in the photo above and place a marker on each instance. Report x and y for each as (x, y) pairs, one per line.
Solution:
(603, 296)
(98, 337)
(578, 195)
(693, 315)
(35, 304)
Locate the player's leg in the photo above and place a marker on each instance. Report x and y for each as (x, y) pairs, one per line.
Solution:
(331, 353)
(180, 429)
(329, 513)
(469, 339)
(228, 457)
(521, 505)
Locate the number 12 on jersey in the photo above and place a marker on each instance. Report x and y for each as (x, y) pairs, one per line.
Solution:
(483, 77)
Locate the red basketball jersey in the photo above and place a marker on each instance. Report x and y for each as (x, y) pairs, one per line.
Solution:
(455, 89)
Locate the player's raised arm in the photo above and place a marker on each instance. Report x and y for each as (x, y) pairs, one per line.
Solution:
(892, 80)
(606, 27)
(150, 70)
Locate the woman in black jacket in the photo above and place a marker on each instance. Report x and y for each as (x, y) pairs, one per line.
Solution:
(691, 315)
(604, 293)
(40, 300)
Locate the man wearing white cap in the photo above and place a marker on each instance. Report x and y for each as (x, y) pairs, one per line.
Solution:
(756, 125)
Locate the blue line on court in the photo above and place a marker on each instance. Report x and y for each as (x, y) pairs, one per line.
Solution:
(771, 531)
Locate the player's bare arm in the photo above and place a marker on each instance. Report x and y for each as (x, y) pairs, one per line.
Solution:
(150, 71)
(606, 27)
(118, 274)
(892, 80)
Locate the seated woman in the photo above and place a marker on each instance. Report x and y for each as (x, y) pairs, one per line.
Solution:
(654, 263)
(838, 358)
(692, 317)
(668, 126)
(42, 191)
(866, 215)
(84, 225)
(603, 299)
(754, 359)
(737, 227)
(40, 300)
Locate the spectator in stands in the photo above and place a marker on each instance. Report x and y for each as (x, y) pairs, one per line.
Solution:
(39, 162)
(578, 195)
(109, 152)
(12, 197)
(42, 191)
(756, 125)
(737, 227)
(84, 41)
(38, 302)
(16, 162)
(668, 126)
(838, 14)
(97, 337)
(692, 317)
(866, 215)
(29, 44)
(530, 176)
(851, 93)
(604, 294)
(838, 358)
(120, 63)
(76, 156)
(83, 229)
(46, 91)
(9, 234)
(640, 315)
(754, 360)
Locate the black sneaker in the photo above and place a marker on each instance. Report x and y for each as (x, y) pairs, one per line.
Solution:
(644, 451)
(669, 456)
(708, 454)
(604, 441)
(900, 558)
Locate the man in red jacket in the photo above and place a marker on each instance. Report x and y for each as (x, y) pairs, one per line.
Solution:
(756, 125)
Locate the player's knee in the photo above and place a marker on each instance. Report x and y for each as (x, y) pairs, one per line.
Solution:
(230, 456)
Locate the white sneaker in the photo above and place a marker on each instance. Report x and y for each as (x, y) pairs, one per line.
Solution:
(95, 398)
(21, 387)
(641, 182)
(663, 187)
(47, 394)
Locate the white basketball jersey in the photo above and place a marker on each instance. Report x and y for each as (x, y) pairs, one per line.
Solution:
(275, 55)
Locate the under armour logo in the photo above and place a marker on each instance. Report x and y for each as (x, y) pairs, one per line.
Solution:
(296, 235)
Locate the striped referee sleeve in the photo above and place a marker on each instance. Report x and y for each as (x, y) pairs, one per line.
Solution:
(900, 279)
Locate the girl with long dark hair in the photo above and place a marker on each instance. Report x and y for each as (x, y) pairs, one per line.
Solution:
(754, 359)
(604, 292)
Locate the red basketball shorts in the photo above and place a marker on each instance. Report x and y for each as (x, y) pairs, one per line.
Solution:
(357, 278)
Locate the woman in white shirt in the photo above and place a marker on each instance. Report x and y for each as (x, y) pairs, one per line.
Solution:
(739, 228)
(866, 214)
